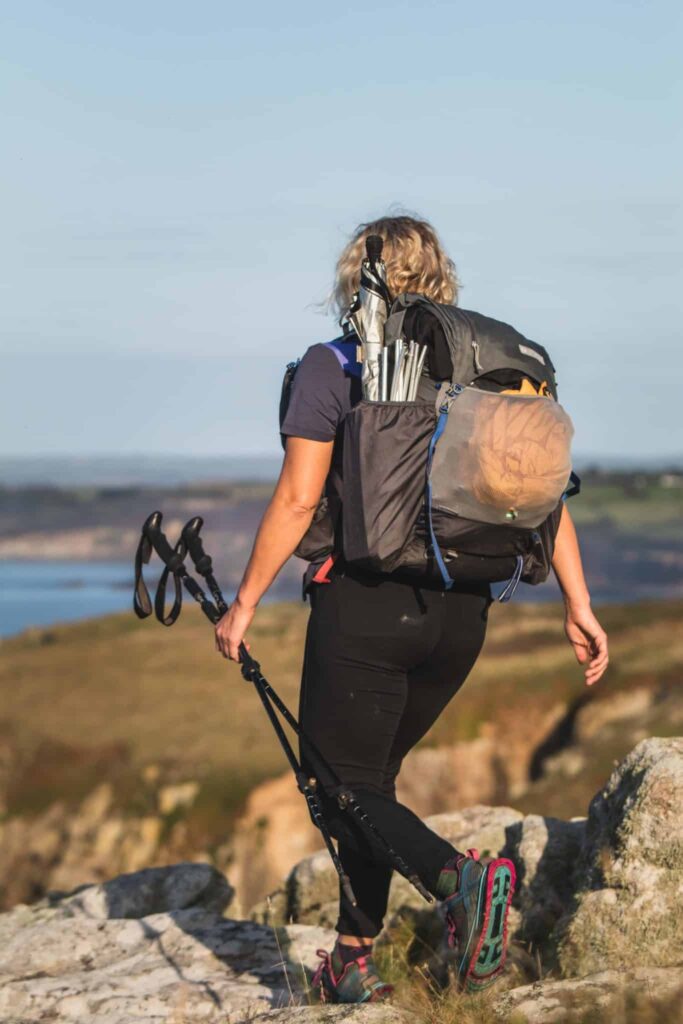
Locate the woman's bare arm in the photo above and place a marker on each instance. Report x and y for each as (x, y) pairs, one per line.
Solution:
(284, 523)
(583, 630)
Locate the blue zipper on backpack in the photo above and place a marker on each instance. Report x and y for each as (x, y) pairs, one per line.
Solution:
(452, 393)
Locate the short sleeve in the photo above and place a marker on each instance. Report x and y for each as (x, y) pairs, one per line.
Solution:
(317, 400)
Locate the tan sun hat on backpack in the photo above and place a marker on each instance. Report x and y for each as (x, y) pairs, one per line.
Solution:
(523, 449)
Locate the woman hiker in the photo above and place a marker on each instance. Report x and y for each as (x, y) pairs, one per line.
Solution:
(385, 655)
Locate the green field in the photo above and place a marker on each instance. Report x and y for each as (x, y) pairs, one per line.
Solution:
(634, 502)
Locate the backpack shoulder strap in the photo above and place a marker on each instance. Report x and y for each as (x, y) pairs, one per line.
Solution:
(346, 351)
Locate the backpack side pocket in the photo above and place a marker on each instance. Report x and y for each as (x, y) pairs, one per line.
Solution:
(385, 460)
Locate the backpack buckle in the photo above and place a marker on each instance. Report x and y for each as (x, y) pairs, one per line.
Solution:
(452, 391)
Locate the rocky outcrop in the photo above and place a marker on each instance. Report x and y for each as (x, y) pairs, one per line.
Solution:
(629, 878)
(544, 851)
(151, 946)
(154, 945)
(607, 996)
(310, 892)
(273, 833)
(547, 754)
(151, 891)
(62, 846)
(607, 889)
(554, 758)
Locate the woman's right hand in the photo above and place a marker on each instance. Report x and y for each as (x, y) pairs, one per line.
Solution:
(231, 629)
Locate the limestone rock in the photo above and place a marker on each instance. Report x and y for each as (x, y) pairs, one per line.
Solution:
(274, 833)
(69, 959)
(484, 828)
(544, 851)
(629, 878)
(619, 709)
(365, 1014)
(312, 890)
(310, 893)
(151, 891)
(177, 796)
(63, 847)
(436, 779)
(606, 996)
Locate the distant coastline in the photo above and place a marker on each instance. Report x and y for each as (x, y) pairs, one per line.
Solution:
(127, 470)
(170, 470)
(85, 531)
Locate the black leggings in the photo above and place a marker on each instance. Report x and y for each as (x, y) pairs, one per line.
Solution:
(382, 660)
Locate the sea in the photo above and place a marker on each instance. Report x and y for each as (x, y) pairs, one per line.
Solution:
(44, 593)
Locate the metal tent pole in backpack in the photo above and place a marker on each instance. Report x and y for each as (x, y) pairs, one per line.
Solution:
(153, 538)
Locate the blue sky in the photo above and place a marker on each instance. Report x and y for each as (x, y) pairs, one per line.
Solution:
(176, 182)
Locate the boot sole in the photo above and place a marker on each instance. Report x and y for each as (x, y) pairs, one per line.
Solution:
(487, 961)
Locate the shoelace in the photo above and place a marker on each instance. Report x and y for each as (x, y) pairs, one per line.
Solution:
(362, 962)
(325, 962)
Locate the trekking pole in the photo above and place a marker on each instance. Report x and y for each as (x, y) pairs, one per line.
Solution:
(250, 668)
(153, 538)
(173, 559)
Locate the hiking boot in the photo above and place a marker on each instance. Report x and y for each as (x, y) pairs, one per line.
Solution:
(356, 982)
(476, 916)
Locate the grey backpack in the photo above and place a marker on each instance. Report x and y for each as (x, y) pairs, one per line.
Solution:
(466, 483)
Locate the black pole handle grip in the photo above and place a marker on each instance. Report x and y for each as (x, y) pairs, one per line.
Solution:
(173, 560)
(190, 534)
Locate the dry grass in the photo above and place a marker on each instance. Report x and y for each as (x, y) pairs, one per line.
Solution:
(423, 988)
(424, 993)
(114, 695)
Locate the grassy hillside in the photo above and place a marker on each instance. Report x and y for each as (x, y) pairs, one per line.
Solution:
(121, 699)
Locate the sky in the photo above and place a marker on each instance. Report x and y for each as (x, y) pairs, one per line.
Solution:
(176, 181)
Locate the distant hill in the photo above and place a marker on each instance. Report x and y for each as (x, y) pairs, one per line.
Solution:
(629, 525)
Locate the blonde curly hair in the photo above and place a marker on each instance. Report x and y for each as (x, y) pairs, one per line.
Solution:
(415, 259)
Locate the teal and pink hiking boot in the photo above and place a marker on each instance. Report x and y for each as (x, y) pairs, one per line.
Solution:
(355, 982)
(476, 898)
